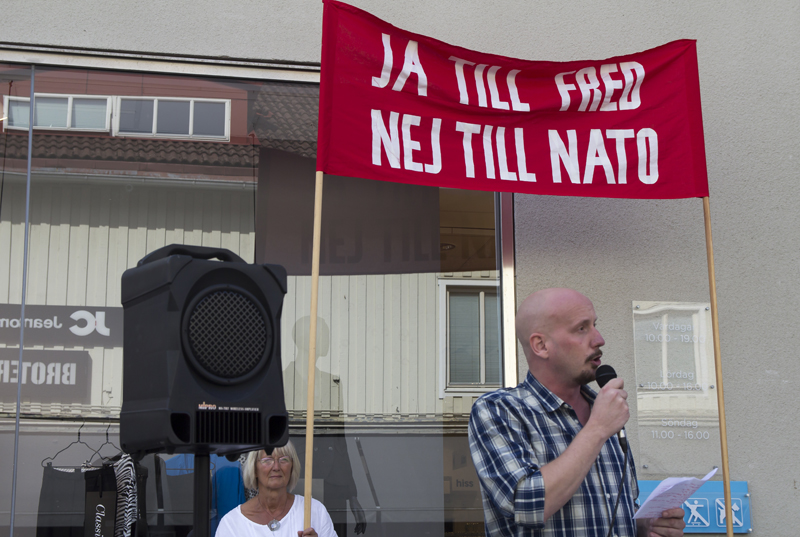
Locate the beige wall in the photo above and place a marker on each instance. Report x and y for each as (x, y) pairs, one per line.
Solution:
(613, 250)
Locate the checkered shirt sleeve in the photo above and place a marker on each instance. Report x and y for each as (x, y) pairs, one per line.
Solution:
(509, 473)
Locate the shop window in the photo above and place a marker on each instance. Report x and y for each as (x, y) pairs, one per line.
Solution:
(100, 203)
(172, 118)
(59, 112)
(471, 352)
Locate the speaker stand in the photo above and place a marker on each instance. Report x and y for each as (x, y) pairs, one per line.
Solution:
(202, 494)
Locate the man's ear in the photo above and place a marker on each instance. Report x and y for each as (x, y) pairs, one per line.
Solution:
(538, 345)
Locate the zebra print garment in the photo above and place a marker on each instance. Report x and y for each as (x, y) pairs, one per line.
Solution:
(127, 505)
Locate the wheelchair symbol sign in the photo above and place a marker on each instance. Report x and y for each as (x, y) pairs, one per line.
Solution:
(736, 512)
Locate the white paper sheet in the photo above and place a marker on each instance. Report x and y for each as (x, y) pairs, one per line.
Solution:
(669, 494)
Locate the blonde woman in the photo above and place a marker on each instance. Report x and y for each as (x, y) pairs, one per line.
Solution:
(275, 511)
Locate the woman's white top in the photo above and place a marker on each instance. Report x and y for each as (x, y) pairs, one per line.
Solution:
(235, 524)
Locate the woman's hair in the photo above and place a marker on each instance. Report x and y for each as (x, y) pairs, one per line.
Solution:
(250, 476)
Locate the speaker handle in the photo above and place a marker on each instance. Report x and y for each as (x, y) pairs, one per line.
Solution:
(197, 252)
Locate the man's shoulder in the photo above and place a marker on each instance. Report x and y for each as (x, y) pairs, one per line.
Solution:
(518, 397)
(503, 394)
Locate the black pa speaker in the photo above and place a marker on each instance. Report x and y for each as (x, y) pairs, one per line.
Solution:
(202, 368)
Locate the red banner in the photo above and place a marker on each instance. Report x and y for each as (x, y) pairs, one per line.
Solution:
(403, 107)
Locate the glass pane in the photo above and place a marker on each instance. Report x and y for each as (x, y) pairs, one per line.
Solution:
(467, 230)
(89, 113)
(15, 82)
(209, 119)
(85, 234)
(50, 112)
(18, 114)
(376, 396)
(136, 116)
(384, 250)
(464, 340)
(678, 415)
(173, 117)
(492, 341)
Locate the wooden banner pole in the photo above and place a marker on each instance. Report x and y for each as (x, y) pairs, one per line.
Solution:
(312, 351)
(723, 434)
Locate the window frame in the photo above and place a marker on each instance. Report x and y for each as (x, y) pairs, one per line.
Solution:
(445, 388)
(153, 134)
(70, 99)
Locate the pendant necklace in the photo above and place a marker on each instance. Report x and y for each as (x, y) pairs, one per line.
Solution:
(275, 524)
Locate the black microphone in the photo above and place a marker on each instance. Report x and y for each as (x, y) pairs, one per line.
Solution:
(605, 373)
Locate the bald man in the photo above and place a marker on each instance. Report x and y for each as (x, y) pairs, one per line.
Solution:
(546, 451)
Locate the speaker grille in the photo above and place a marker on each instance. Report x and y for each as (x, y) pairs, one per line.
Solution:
(228, 427)
(228, 334)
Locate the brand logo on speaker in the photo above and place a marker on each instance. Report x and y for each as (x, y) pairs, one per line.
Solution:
(93, 322)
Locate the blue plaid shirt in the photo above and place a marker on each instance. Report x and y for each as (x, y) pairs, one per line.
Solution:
(513, 432)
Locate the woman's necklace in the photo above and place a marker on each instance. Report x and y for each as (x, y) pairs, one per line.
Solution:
(274, 524)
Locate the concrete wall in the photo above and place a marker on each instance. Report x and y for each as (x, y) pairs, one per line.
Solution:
(615, 251)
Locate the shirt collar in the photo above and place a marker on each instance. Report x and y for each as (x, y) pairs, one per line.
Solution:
(548, 399)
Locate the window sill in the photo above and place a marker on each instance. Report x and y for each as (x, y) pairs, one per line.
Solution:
(469, 391)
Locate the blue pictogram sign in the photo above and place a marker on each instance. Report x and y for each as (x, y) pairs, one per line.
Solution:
(705, 510)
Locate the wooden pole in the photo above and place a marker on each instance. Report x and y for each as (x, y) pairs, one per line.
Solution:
(312, 351)
(723, 434)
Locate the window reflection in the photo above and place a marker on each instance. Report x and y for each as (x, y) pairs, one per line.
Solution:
(235, 169)
(90, 114)
(173, 117)
(50, 112)
(209, 119)
(18, 113)
(136, 116)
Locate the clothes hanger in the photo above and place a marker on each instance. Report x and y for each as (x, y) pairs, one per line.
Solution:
(108, 442)
(78, 441)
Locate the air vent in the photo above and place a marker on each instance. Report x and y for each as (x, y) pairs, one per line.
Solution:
(227, 427)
